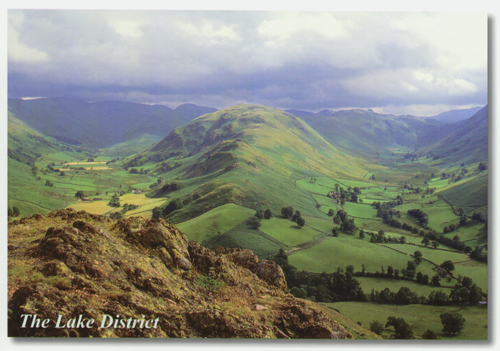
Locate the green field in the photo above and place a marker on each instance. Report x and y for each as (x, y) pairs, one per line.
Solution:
(288, 232)
(420, 318)
(348, 250)
(220, 219)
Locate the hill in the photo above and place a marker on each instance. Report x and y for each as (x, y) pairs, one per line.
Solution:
(364, 132)
(100, 124)
(454, 116)
(468, 143)
(250, 155)
(27, 191)
(141, 278)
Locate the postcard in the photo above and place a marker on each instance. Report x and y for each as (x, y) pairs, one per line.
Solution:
(248, 174)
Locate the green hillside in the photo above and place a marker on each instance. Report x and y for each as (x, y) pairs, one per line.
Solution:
(468, 143)
(248, 154)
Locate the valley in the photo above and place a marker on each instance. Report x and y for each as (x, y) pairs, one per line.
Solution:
(243, 176)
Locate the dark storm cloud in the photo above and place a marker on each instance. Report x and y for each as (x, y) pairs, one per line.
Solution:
(306, 60)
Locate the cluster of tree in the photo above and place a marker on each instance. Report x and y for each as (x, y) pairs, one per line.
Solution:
(412, 189)
(478, 255)
(431, 237)
(422, 217)
(129, 207)
(264, 214)
(465, 292)
(13, 212)
(349, 194)
(347, 225)
(452, 322)
(115, 201)
(135, 171)
(380, 238)
(80, 194)
(321, 287)
(287, 213)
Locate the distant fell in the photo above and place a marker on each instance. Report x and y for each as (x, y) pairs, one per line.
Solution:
(100, 124)
(456, 115)
(364, 132)
(468, 143)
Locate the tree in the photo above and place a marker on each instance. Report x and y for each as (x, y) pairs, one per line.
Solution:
(390, 271)
(361, 234)
(253, 222)
(377, 327)
(475, 294)
(425, 241)
(331, 212)
(287, 212)
(435, 281)
(335, 232)
(402, 330)
(49, 183)
(448, 265)
(418, 257)
(268, 214)
(453, 322)
(79, 194)
(301, 222)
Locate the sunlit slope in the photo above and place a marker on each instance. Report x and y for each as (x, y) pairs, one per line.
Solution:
(25, 191)
(247, 154)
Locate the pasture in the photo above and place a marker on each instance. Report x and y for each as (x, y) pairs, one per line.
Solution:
(419, 317)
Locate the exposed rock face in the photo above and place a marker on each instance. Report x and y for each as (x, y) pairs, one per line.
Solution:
(69, 265)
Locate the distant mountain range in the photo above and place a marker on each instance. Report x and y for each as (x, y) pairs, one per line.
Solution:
(456, 115)
(101, 124)
(364, 132)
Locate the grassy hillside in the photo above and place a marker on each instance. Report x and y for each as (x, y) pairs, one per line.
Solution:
(468, 143)
(248, 154)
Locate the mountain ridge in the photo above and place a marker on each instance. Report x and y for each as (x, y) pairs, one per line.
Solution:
(100, 124)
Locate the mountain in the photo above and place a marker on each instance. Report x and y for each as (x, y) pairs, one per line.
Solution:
(101, 124)
(364, 132)
(456, 115)
(468, 143)
(247, 154)
(72, 265)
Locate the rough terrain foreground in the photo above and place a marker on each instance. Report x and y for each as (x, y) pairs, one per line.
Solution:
(69, 265)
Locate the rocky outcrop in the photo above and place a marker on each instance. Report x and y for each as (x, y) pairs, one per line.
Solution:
(90, 276)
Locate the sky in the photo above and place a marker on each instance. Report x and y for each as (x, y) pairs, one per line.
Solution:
(419, 63)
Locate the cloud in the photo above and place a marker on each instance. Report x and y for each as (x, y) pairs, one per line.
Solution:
(307, 60)
(17, 51)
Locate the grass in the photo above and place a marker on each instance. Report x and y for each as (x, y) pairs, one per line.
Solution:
(394, 285)
(219, 219)
(288, 232)
(420, 318)
(349, 250)
(242, 236)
